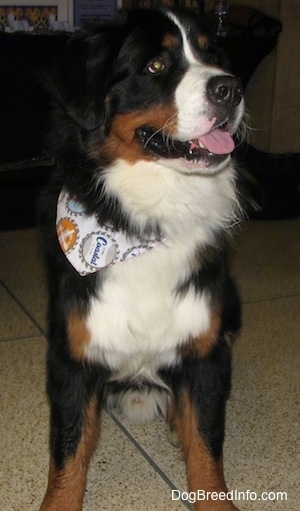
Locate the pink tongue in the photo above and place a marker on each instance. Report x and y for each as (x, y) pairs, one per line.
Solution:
(218, 142)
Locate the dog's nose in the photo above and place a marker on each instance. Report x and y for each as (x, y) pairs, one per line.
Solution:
(224, 90)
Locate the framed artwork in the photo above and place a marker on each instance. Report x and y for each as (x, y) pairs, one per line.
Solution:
(86, 11)
(35, 12)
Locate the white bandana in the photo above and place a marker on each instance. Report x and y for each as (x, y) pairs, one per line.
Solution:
(90, 246)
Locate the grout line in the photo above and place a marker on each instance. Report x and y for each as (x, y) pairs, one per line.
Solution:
(23, 308)
(21, 338)
(146, 455)
(271, 298)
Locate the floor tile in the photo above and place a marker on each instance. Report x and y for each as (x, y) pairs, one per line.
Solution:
(23, 424)
(262, 443)
(120, 478)
(14, 321)
(153, 438)
(266, 259)
(23, 272)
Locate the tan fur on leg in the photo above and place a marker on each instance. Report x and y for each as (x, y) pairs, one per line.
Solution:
(66, 487)
(203, 471)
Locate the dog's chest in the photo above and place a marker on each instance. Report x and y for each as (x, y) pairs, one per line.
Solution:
(139, 318)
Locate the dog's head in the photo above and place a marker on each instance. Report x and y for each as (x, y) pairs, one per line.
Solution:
(150, 87)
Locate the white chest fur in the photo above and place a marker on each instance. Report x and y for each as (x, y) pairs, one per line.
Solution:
(139, 319)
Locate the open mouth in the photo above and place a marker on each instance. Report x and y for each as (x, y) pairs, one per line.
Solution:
(212, 147)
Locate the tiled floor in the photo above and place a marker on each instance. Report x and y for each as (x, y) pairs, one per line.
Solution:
(134, 467)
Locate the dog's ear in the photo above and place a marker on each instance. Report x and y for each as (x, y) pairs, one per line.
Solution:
(79, 80)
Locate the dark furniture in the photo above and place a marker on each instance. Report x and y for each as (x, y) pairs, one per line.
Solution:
(23, 123)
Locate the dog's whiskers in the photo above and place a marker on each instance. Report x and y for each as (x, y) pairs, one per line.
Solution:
(243, 133)
(166, 135)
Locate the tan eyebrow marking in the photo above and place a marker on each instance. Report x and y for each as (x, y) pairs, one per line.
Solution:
(202, 42)
(170, 41)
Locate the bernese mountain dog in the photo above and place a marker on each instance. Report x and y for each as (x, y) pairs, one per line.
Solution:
(136, 221)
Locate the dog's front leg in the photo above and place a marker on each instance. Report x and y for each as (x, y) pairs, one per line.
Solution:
(74, 405)
(201, 387)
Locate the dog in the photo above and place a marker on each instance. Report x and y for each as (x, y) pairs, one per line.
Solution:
(136, 221)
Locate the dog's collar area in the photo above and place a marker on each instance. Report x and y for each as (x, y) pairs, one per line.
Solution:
(91, 246)
(213, 147)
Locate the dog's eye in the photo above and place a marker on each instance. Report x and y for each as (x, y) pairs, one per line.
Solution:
(156, 65)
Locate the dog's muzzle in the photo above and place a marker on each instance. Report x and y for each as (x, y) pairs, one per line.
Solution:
(224, 94)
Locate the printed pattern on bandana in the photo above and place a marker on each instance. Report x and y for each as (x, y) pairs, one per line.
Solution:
(90, 246)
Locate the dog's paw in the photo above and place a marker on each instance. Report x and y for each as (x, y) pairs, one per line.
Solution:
(174, 438)
(139, 405)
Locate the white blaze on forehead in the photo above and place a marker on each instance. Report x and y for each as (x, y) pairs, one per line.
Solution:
(187, 49)
(195, 115)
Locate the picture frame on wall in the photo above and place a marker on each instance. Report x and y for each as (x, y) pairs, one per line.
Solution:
(85, 11)
(36, 12)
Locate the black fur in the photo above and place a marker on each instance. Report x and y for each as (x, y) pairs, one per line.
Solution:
(100, 77)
